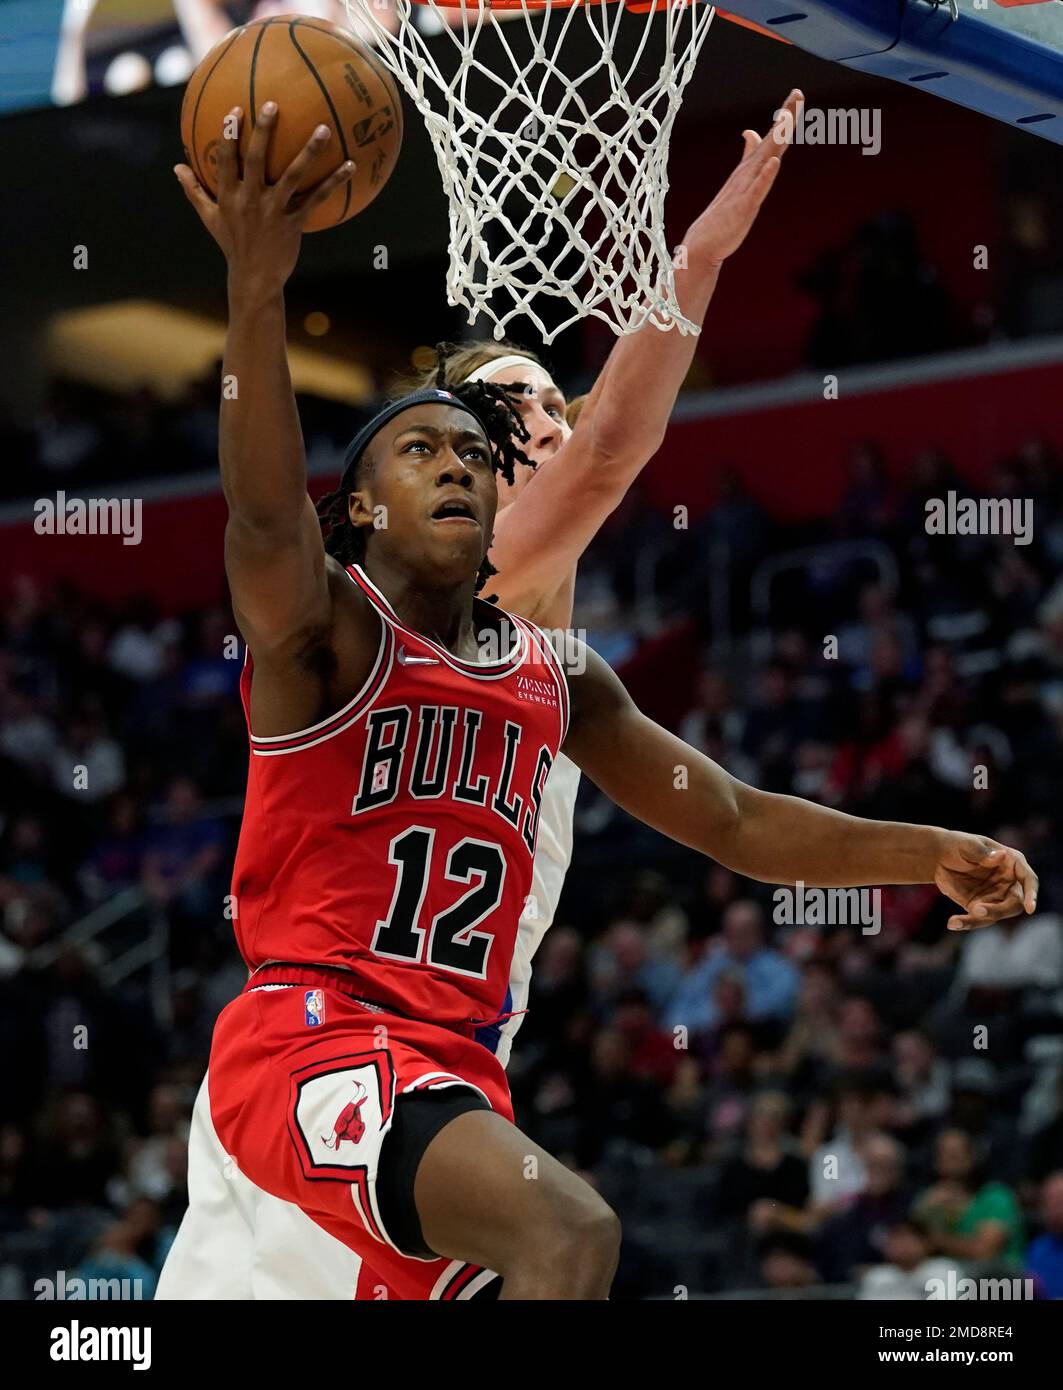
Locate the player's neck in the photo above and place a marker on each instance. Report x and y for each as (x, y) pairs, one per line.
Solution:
(443, 613)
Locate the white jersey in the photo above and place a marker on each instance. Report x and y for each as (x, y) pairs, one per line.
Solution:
(553, 852)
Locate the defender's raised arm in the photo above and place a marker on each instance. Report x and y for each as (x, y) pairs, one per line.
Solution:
(623, 420)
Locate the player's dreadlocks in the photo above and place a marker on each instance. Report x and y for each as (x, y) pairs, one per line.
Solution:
(500, 418)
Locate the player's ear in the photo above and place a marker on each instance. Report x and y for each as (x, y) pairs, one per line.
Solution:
(360, 508)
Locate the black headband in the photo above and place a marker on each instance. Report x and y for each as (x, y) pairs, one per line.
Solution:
(431, 395)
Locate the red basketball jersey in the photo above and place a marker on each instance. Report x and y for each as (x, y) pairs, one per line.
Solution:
(395, 838)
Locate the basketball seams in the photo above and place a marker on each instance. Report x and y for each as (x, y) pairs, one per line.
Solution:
(366, 54)
(337, 123)
(193, 150)
(253, 68)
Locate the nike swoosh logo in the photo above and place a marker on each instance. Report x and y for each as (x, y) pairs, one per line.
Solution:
(405, 659)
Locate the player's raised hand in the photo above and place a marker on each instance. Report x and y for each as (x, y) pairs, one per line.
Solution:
(725, 223)
(259, 225)
(989, 881)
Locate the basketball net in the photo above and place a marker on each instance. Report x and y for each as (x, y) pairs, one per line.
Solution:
(555, 176)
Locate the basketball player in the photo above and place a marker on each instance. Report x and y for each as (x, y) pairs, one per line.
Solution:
(236, 1241)
(394, 795)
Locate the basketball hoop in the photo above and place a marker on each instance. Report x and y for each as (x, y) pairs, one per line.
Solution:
(555, 168)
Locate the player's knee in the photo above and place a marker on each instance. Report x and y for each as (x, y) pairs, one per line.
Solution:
(579, 1232)
(599, 1233)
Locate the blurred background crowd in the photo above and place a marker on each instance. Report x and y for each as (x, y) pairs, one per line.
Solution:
(840, 1109)
(840, 1113)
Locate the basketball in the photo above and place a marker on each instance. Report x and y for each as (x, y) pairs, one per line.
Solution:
(318, 74)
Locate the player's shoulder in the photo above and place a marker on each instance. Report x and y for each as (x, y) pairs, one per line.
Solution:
(349, 595)
(542, 643)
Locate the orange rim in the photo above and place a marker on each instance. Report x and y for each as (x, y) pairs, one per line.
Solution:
(636, 6)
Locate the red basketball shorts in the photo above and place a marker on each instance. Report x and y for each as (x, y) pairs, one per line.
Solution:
(304, 1079)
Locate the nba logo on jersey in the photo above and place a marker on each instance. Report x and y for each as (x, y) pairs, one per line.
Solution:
(315, 1007)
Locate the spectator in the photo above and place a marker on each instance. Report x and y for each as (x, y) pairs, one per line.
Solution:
(212, 676)
(976, 1109)
(767, 1179)
(1046, 1145)
(856, 1236)
(1044, 1258)
(969, 1219)
(617, 1107)
(867, 504)
(786, 1262)
(137, 650)
(622, 962)
(718, 722)
(1000, 962)
(148, 1170)
(89, 764)
(770, 979)
(858, 1045)
(16, 1186)
(729, 1006)
(685, 1102)
(778, 721)
(653, 1053)
(115, 862)
(115, 1257)
(922, 1081)
(182, 854)
(837, 1169)
(28, 735)
(78, 1154)
(812, 1041)
(730, 1086)
(67, 441)
(910, 1265)
(878, 620)
(650, 903)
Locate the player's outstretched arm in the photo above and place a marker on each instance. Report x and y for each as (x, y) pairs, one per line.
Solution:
(274, 555)
(624, 418)
(627, 411)
(775, 839)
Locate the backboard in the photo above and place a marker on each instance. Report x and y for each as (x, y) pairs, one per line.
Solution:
(1005, 60)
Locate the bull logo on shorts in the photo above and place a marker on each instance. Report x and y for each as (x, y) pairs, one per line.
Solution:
(348, 1124)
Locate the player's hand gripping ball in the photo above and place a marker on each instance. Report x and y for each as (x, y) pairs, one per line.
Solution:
(318, 74)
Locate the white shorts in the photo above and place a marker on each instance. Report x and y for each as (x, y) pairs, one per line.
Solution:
(238, 1242)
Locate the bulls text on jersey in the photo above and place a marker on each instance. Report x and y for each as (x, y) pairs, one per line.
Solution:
(440, 760)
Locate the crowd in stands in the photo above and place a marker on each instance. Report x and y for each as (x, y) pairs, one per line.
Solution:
(769, 1104)
(876, 295)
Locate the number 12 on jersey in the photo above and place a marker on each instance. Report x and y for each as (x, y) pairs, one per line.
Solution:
(451, 941)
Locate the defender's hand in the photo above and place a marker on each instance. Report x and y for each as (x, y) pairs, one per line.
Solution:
(989, 881)
(258, 225)
(725, 223)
